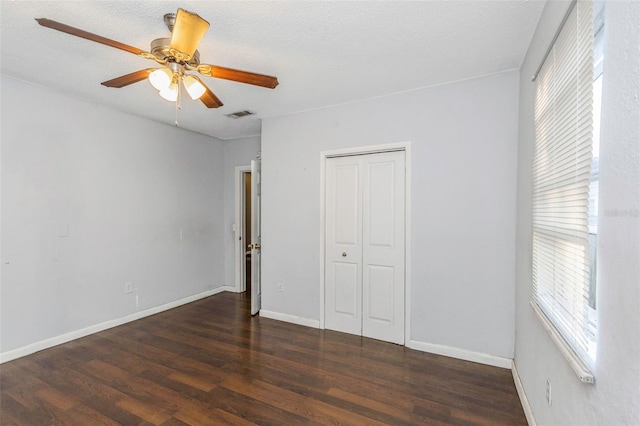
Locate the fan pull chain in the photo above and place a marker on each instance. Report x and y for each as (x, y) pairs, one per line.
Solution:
(178, 103)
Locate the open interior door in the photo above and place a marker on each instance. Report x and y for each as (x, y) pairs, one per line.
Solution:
(256, 293)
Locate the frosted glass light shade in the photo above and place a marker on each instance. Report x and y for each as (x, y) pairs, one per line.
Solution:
(170, 93)
(193, 86)
(161, 78)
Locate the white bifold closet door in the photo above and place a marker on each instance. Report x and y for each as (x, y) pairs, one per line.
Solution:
(365, 245)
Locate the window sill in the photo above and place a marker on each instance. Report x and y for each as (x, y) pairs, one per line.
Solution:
(576, 363)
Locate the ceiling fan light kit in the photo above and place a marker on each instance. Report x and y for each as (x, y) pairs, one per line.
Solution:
(161, 78)
(170, 93)
(177, 55)
(195, 89)
(166, 81)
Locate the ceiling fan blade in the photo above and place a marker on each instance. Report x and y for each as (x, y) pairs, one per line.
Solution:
(188, 30)
(238, 75)
(125, 80)
(209, 98)
(87, 35)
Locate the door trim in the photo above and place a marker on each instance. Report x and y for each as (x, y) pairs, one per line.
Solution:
(239, 243)
(363, 150)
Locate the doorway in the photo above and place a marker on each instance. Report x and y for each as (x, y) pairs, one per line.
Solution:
(247, 233)
(242, 228)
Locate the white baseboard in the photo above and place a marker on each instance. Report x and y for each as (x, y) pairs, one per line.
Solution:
(307, 322)
(528, 413)
(458, 353)
(67, 337)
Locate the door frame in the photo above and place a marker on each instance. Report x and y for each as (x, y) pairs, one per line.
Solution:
(240, 239)
(362, 150)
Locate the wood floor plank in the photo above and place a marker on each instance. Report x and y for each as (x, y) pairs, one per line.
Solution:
(210, 362)
(11, 374)
(309, 408)
(18, 414)
(58, 399)
(112, 411)
(401, 415)
(151, 413)
(175, 422)
(196, 382)
(85, 415)
(200, 416)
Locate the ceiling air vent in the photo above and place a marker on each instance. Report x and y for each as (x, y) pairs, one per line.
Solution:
(239, 114)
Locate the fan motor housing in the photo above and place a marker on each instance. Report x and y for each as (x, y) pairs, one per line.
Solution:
(161, 50)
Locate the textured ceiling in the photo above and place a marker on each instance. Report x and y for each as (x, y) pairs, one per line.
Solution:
(323, 53)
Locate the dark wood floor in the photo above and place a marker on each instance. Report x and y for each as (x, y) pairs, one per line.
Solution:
(210, 363)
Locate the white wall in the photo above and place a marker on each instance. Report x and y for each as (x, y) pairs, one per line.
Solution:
(464, 147)
(614, 399)
(237, 152)
(93, 198)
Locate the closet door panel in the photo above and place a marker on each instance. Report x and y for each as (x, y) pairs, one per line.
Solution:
(343, 238)
(383, 207)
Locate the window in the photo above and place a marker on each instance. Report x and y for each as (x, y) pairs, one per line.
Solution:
(594, 180)
(565, 186)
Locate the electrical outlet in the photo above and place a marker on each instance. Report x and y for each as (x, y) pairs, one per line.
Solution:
(280, 286)
(128, 287)
(549, 392)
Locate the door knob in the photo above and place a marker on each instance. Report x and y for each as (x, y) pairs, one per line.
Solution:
(344, 254)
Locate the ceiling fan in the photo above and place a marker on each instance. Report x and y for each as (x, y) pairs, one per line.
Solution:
(178, 55)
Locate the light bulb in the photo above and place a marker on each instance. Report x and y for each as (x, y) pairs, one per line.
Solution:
(194, 87)
(170, 93)
(161, 78)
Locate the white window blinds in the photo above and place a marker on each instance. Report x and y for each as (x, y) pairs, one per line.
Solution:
(561, 169)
